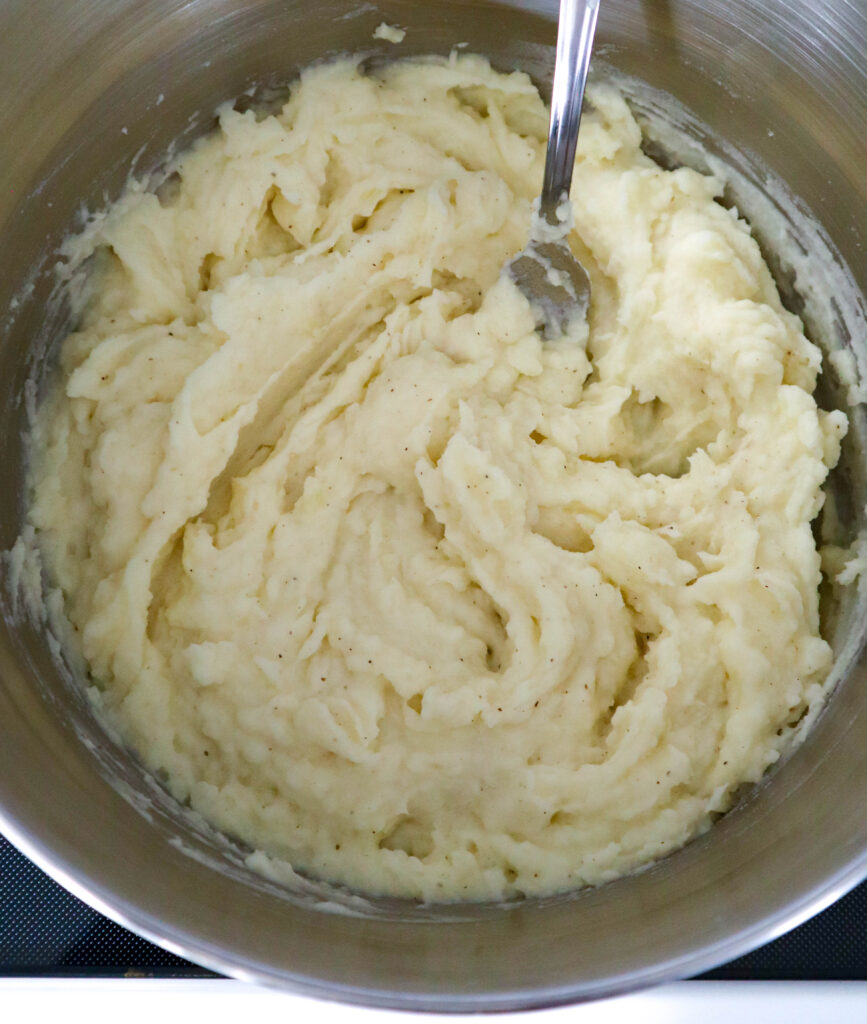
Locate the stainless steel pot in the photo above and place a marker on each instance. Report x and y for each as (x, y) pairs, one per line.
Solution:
(89, 85)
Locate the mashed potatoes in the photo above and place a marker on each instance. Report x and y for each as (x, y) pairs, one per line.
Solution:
(379, 582)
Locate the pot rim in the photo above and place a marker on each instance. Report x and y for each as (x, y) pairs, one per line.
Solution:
(180, 942)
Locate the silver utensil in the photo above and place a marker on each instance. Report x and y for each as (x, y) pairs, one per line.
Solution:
(546, 271)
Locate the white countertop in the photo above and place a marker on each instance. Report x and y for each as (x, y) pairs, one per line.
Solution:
(162, 1001)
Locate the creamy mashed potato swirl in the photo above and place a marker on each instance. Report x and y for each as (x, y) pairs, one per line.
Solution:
(380, 583)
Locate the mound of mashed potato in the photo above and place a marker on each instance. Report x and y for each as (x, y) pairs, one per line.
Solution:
(380, 583)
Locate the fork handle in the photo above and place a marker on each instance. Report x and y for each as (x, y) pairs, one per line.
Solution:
(574, 46)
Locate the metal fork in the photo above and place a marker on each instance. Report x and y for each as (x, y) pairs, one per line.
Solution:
(546, 271)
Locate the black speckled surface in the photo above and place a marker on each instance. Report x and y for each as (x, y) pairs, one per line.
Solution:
(46, 931)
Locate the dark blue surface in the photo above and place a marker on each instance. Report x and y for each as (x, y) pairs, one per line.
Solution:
(44, 930)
